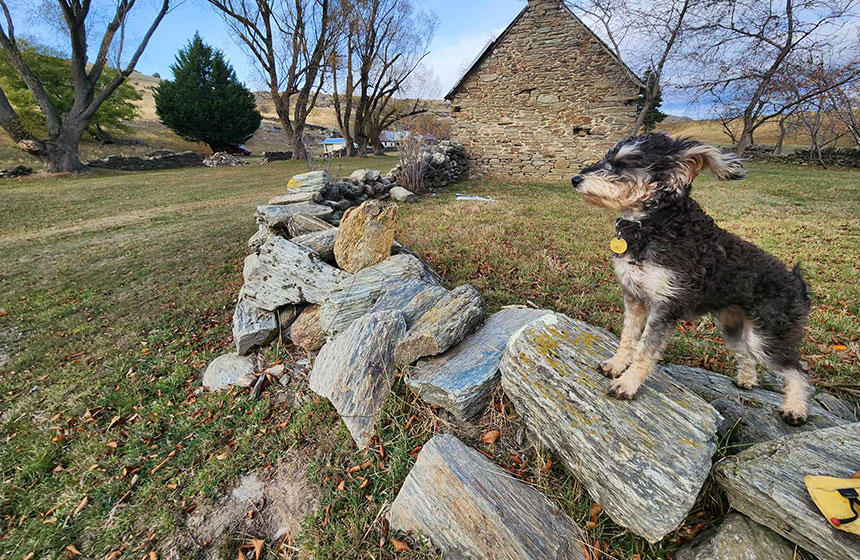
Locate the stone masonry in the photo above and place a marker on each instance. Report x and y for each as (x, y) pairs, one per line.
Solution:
(544, 98)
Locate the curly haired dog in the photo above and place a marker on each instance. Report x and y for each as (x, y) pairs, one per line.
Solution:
(674, 262)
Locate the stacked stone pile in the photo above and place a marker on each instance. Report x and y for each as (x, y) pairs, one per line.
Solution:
(269, 157)
(446, 162)
(223, 159)
(17, 171)
(370, 307)
(316, 194)
(160, 159)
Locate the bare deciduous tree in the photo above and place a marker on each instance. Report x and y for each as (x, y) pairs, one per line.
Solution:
(745, 48)
(59, 151)
(289, 40)
(382, 43)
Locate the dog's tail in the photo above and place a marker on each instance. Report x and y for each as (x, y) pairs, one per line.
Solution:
(797, 272)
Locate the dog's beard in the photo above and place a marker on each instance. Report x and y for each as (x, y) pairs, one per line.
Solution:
(616, 195)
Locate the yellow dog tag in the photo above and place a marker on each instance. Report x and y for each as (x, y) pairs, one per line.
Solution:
(838, 499)
(618, 245)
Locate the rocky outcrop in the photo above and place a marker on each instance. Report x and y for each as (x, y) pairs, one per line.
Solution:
(159, 160)
(445, 324)
(355, 371)
(472, 508)
(354, 295)
(462, 379)
(644, 460)
(252, 327)
(766, 483)
(283, 273)
(737, 538)
(412, 298)
(365, 235)
(226, 370)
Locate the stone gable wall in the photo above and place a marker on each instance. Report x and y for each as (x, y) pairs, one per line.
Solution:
(548, 99)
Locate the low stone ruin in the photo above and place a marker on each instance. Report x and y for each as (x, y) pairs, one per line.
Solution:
(159, 159)
(372, 309)
(17, 171)
(269, 157)
(223, 159)
(836, 156)
(447, 161)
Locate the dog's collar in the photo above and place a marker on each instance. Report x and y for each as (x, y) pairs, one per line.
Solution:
(625, 233)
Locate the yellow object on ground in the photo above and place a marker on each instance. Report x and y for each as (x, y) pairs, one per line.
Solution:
(838, 499)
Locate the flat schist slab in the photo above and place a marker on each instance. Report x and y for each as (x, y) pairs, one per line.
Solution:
(279, 215)
(252, 327)
(471, 508)
(312, 181)
(462, 379)
(301, 224)
(354, 295)
(738, 538)
(765, 482)
(645, 460)
(226, 370)
(355, 371)
(752, 415)
(442, 326)
(320, 241)
(411, 297)
(284, 273)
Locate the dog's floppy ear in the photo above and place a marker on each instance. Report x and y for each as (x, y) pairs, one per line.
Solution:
(695, 156)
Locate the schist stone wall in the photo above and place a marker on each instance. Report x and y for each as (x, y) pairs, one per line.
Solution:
(544, 99)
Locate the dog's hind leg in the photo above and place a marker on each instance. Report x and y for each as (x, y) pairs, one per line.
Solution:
(794, 408)
(635, 316)
(735, 329)
(648, 351)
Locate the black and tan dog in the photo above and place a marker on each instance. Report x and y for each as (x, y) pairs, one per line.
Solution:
(674, 262)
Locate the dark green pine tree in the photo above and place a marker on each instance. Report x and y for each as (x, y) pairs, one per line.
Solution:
(205, 102)
(654, 116)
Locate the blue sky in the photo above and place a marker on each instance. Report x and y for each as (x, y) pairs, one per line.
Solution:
(465, 27)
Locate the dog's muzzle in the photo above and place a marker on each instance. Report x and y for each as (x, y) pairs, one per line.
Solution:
(576, 181)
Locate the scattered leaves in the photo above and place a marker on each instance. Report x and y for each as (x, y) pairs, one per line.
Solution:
(399, 546)
(491, 437)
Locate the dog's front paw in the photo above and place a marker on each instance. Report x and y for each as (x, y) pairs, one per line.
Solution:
(612, 367)
(624, 389)
(793, 417)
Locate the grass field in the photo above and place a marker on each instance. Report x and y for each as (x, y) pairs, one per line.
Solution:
(117, 289)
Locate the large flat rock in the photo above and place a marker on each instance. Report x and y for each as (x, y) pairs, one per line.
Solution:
(472, 509)
(365, 235)
(645, 460)
(354, 295)
(252, 327)
(312, 182)
(737, 538)
(765, 482)
(355, 371)
(411, 297)
(462, 379)
(752, 416)
(445, 324)
(320, 241)
(279, 215)
(284, 273)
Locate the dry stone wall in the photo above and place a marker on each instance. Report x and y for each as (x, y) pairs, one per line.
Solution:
(548, 98)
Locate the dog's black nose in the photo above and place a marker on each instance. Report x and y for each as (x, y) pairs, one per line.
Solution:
(576, 181)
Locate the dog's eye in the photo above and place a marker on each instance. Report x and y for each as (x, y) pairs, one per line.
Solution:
(607, 166)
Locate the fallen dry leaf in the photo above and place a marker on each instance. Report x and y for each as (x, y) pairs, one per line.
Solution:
(29, 555)
(153, 555)
(114, 555)
(242, 555)
(491, 437)
(258, 548)
(81, 505)
(399, 546)
(342, 486)
(548, 466)
(839, 347)
(72, 549)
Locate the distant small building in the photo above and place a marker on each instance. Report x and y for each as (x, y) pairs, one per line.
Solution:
(331, 145)
(389, 139)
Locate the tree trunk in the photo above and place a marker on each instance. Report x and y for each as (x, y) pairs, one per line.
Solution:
(362, 146)
(783, 131)
(60, 154)
(299, 151)
(744, 141)
(378, 149)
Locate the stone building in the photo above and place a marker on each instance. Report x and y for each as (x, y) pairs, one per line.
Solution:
(544, 98)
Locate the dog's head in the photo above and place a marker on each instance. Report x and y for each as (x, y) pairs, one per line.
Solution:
(652, 167)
